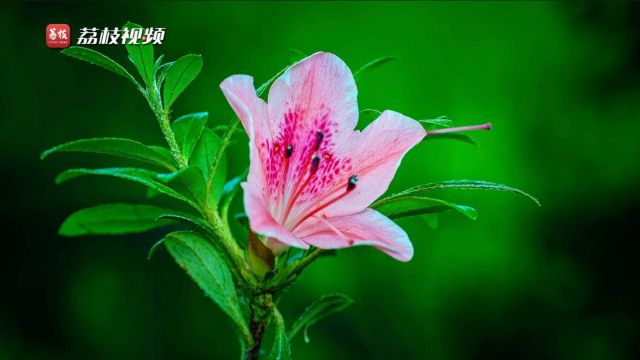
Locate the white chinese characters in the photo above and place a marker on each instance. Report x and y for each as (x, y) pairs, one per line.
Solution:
(125, 36)
(57, 34)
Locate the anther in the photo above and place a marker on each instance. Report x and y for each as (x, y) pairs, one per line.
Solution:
(289, 151)
(315, 162)
(351, 184)
(319, 137)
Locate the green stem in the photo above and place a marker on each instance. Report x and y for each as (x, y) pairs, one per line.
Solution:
(223, 146)
(165, 126)
(155, 103)
(231, 248)
(261, 308)
(287, 278)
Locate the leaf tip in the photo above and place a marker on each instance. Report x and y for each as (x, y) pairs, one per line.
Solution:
(154, 249)
(45, 153)
(59, 179)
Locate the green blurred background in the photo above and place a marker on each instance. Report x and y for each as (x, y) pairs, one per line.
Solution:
(560, 83)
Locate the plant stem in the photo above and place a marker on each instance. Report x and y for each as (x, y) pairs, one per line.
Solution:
(165, 126)
(297, 267)
(231, 248)
(261, 308)
(155, 103)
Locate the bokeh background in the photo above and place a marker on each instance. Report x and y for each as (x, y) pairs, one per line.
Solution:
(559, 81)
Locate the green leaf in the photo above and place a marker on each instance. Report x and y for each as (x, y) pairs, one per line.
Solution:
(208, 269)
(261, 89)
(372, 65)
(141, 176)
(194, 222)
(164, 151)
(204, 157)
(370, 114)
(161, 72)
(179, 76)
(224, 128)
(99, 59)
(296, 55)
(188, 182)
(154, 248)
(439, 122)
(114, 219)
(125, 148)
(321, 308)
(431, 220)
(187, 130)
(412, 205)
(453, 184)
(157, 64)
(280, 350)
(142, 57)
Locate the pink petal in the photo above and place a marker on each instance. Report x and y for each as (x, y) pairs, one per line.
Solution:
(368, 227)
(252, 112)
(317, 86)
(375, 155)
(262, 222)
(241, 95)
(315, 96)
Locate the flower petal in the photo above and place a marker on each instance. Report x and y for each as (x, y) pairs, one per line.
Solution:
(375, 155)
(262, 222)
(241, 95)
(317, 86)
(368, 227)
(312, 108)
(252, 112)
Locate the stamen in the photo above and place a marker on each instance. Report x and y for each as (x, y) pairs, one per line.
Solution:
(319, 137)
(323, 205)
(285, 169)
(351, 184)
(315, 162)
(334, 229)
(486, 126)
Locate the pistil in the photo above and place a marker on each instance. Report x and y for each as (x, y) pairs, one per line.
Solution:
(486, 126)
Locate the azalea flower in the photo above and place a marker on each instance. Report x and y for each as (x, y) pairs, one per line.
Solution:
(312, 175)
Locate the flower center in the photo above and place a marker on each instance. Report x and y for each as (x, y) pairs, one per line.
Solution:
(312, 164)
(351, 184)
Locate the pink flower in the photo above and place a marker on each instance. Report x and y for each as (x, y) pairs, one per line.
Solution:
(312, 176)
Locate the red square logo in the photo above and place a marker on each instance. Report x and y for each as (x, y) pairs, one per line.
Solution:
(58, 36)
